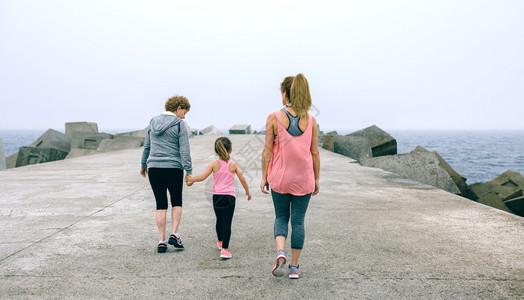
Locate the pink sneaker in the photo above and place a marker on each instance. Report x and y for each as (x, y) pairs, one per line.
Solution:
(219, 245)
(224, 253)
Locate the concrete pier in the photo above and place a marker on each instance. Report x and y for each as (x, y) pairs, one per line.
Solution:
(85, 228)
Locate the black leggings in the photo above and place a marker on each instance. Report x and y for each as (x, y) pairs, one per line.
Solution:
(164, 179)
(224, 206)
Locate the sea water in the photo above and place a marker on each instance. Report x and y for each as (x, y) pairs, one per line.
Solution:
(479, 155)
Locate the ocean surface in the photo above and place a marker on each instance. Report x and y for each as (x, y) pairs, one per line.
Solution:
(478, 155)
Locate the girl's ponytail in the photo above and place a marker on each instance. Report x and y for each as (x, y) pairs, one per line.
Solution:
(300, 97)
(222, 148)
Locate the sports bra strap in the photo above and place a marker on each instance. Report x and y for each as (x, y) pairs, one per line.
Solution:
(293, 128)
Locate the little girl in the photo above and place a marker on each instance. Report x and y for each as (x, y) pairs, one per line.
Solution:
(224, 170)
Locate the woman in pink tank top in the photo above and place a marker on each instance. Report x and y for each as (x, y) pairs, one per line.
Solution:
(290, 167)
(224, 195)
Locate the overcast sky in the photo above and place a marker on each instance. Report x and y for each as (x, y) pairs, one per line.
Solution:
(397, 64)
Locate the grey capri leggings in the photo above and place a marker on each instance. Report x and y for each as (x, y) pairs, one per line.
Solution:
(290, 206)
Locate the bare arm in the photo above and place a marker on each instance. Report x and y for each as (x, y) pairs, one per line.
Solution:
(316, 156)
(242, 181)
(204, 175)
(268, 151)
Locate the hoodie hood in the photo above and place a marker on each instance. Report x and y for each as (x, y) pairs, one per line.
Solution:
(161, 123)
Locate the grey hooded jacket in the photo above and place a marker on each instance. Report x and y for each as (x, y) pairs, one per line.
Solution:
(167, 144)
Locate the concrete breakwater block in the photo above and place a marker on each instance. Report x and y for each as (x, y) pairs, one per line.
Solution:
(509, 179)
(356, 147)
(240, 129)
(120, 143)
(423, 167)
(88, 140)
(516, 205)
(10, 161)
(382, 143)
(504, 192)
(493, 200)
(211, 130)
(53, 139)
(136, 133)
(71, 127)
(3, 165)
(328, 141)
(33, 155)
(458, 179)
(76, 152)
(141, 140)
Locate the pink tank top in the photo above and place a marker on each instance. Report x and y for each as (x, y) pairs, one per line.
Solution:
(224, 180)
(290, 169)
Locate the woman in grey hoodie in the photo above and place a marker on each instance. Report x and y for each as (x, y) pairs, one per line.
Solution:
(166, 155)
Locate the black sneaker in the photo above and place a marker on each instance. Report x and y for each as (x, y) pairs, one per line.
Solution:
(177, 242)
(162, 248)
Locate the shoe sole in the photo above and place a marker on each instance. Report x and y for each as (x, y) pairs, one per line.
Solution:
(294, 276)
(225, 257)
(162, 249)
(278, 267)
(175, 244)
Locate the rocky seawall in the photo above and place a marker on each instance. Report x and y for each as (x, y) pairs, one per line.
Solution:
(373, 147)
(83, 138)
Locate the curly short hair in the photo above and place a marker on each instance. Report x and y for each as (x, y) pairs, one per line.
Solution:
(174, 102)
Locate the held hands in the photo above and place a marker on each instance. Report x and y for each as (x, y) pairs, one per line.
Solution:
(189, 180)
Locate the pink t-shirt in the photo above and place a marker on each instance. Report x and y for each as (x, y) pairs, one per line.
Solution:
(290, 169)
(224, 180)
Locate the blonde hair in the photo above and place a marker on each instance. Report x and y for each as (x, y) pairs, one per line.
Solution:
(299, 97)
(174, 102)
(222, 148)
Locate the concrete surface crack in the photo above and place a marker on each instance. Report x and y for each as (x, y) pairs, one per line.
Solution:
(74, 223)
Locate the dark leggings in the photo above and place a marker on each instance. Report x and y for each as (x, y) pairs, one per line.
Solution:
(290, 206)
(164, 179)
(224, 206)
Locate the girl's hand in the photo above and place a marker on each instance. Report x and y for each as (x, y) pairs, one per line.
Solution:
(248, 196)
(189, 180)
(317, 188)
(265, 185)
(143, 172)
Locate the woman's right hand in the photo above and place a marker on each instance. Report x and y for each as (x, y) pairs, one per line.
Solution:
(264, 184)
(143, 172)
(189, 180)
(317, 187)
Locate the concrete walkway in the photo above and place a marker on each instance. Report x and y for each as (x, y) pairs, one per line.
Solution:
(84, 228)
